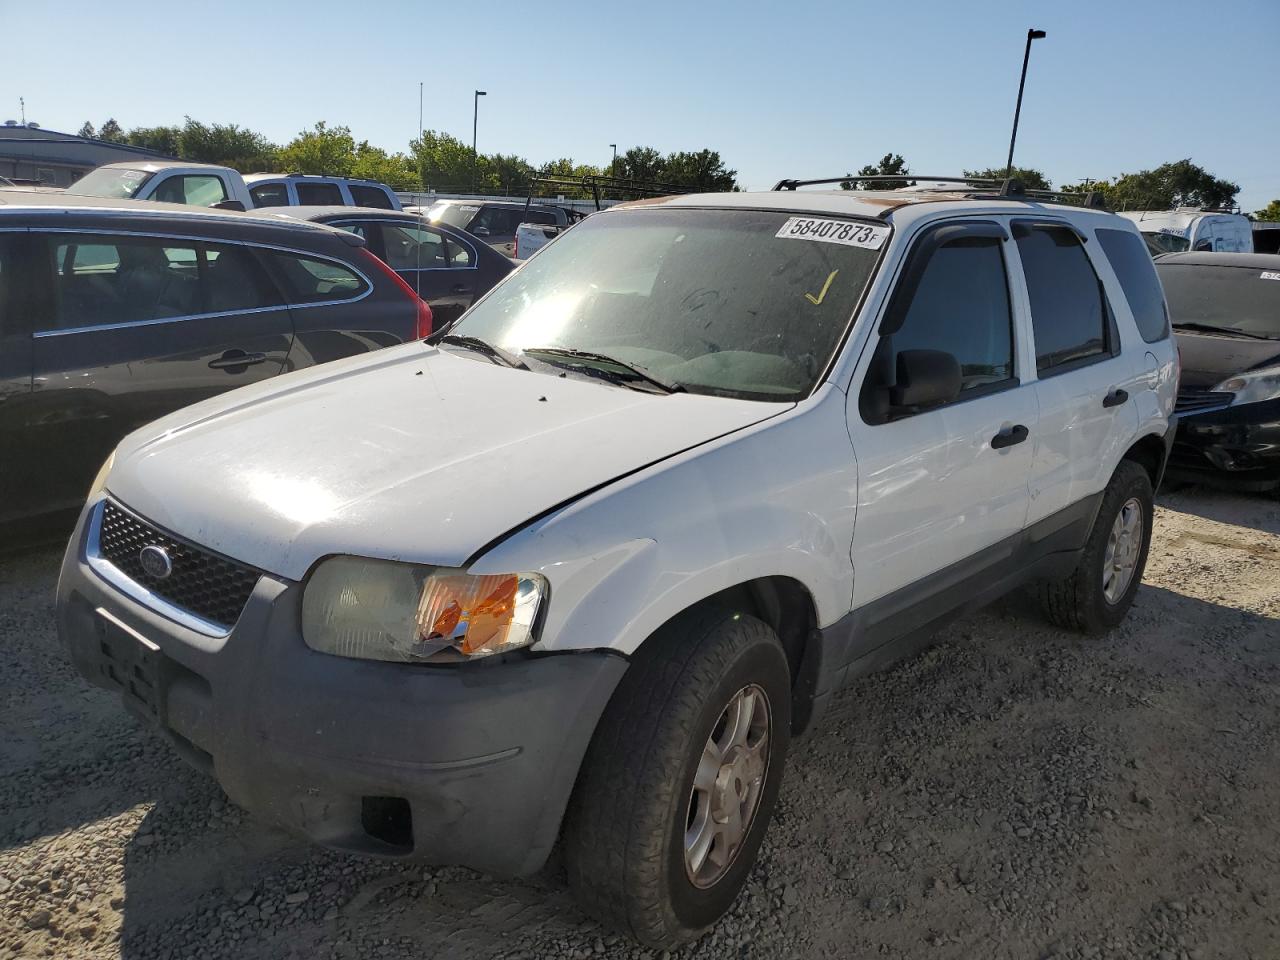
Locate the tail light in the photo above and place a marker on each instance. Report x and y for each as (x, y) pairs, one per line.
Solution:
(424, 321)
(515, 251)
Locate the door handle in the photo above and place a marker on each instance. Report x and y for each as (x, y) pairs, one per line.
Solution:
(1115, 398)
(1009, 436)
(236, 358)
(459, 288)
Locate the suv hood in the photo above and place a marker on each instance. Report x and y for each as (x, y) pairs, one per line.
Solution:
(1207, 359)
(412, 453)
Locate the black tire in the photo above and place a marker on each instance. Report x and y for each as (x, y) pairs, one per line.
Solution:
(1079, 602)
(625, 827)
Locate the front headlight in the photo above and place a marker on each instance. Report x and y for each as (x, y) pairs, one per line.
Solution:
(383, 610)
(1254, 386)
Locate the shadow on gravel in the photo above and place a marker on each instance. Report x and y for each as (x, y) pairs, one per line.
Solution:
(1011, 788)
(1256, 511)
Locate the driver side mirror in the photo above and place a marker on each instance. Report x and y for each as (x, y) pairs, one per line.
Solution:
(925, 378)
(480, 232)
(228, 205)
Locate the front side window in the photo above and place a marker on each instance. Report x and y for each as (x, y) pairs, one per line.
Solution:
(1137, 275)
(319, 194)
(413, 248)
(197, 191)
(741, 303)
(100, 280)
(1069, 314)
(312, 280)
(270, 195)
(366, 196)
(496, 221)
(961, 307)
(539, 216)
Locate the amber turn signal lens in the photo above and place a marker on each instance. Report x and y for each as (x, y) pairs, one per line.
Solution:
(477, 611)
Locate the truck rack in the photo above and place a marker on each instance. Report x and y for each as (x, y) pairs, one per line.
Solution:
(977, 187)
(595, 184)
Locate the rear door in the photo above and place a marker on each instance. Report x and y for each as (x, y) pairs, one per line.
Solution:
(422, 256)
(140, 326)
(1085, 382)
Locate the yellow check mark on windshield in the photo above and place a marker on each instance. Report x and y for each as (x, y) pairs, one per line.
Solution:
(825, 287)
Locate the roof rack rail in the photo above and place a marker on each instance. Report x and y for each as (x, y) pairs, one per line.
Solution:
(594, 184)
(978, 187)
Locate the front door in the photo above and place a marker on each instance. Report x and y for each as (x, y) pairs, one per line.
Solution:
(138, 327)
(942, 490)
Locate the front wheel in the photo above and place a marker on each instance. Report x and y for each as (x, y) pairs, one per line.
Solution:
(681, 777)
(1099, 592)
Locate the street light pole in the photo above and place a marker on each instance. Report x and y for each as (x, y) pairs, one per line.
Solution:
(613, 167)
(1017, 111)
(475, 119)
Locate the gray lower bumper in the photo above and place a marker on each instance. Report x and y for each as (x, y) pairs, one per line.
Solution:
(477, 762)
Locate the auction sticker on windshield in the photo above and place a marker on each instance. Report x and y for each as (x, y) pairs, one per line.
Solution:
(847, 232)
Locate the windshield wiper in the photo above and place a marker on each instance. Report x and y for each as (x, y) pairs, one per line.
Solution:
(588, 356)
(497, 354)
(1213, 328)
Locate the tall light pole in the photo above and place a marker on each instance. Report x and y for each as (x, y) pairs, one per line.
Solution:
(1017, 111)
(475, 119)
(613, 167)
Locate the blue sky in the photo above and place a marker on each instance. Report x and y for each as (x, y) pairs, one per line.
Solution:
(796, 89)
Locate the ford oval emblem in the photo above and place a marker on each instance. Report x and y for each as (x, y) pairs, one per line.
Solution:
(155, 562)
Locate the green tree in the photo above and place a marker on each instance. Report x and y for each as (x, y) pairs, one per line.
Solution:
(111, 131)
(890, 165)
(160, 139)
(1270, 212)
(225, 144)
(396, 170)
(1031, 178)
(703, 170)
(1178, 184)
(325, 150)
(443, 161)
(642, 163)
(87, 131)
(511, 173)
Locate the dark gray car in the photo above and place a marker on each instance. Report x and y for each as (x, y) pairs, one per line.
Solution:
(113, 313)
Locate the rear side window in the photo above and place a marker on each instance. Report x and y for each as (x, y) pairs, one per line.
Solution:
(270, 195)
(413, 248)
(459, 256)
(1068, 310)
(962, 307)
(319, 194)
(366, 196)
(1137, 275)
(234, 279)
(312, 280)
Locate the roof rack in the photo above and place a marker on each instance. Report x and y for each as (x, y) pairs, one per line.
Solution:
(977, 187)
(595, 184)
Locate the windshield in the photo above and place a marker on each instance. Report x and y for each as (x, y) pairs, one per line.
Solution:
(1236, 298)
(114, 182)
(739, 303)
(454, 214)
(1159, 243)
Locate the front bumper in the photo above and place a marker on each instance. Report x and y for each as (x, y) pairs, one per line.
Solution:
(1231, 446)
(469, 764)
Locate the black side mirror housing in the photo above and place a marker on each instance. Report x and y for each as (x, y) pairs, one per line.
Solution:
(480, 231)
(925, 378)
(229, 205)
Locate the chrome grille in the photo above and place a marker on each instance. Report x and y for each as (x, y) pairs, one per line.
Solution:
(210, 586)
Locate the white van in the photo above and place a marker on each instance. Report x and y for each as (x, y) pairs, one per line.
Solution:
(1190, 228)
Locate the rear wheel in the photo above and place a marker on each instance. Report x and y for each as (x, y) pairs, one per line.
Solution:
(681, 777)
(1099, 592)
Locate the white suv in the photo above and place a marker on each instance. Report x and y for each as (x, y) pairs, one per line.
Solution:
(581, 567)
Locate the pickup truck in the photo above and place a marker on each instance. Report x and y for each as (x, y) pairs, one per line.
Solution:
(532, 237)
(169, 181)
(495, 221)
(210, 185)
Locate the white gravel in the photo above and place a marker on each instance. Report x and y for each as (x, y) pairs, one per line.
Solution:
(1015, 791)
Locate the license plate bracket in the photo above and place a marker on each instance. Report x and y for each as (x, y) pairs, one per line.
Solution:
(133, 664)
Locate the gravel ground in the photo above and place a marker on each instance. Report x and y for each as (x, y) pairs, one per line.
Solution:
(1015, 791)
